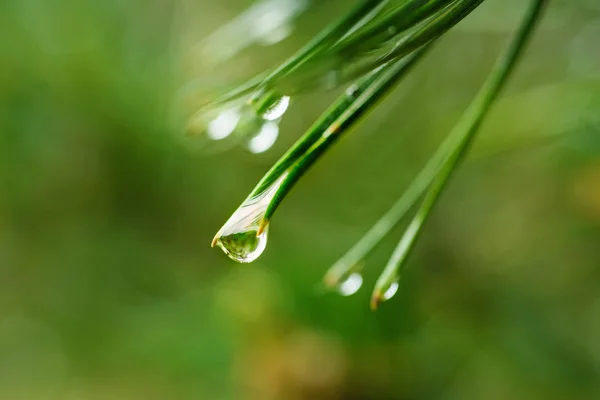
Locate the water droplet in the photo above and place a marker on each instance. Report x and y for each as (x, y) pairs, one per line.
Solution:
(239, 237)
(391, 291)
(259, 123)
(351, 284)
(244, 246)
(251, 122)
(222, 126)
(277, 108)
(264, 139)
(214, 124)
(351, 90)
(211, 130)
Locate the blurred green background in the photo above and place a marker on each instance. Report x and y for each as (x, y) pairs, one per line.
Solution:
(108, 286)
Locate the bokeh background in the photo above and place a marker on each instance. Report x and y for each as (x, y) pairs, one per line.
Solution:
(108, 286)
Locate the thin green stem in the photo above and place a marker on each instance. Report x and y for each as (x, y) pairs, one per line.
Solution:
(324, 39)
(365, 95)
(468, 125)
(317, 45)
(403, 17)
(339, 53)
(352, 260)
(417, 23)
(312, 135)
(434, 26)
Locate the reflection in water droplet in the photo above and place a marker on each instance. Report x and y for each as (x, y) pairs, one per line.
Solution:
(238, 237)
(224, 124)
(277, 109)
(391, 291)
(351, 285)
(265, 138)
(244, 247)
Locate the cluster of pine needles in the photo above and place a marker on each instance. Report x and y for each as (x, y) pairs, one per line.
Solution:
(370, 49)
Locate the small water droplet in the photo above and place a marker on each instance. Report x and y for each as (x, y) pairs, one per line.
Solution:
(222, 126)
(214, 124)
(264, 139)
(277, 108)
(244, 246)
(391, 291)
(351, 90)
(253, 123)
(351, 284)
(259, 125)
(212, 130)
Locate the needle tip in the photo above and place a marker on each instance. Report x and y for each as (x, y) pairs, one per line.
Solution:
(376, 300)
(261, 228)
(330, 281)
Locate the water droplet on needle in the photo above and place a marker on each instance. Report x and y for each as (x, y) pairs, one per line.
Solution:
(390, 292)
(277, 108)
(224, 124)
(241, 237)
(243, 247)
(264, 139)
(351, 284)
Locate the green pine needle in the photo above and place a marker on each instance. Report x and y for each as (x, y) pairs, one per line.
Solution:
(378, 44)
(464, 133)
(320, 43)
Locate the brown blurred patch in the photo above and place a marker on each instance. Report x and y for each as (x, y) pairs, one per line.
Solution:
(585, 191)
(304, 364)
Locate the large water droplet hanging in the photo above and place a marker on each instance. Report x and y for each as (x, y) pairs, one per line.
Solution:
(240, 238)
(244, 246)
(350, 285)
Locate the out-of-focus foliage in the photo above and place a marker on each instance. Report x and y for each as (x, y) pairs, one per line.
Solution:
(108, 287)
